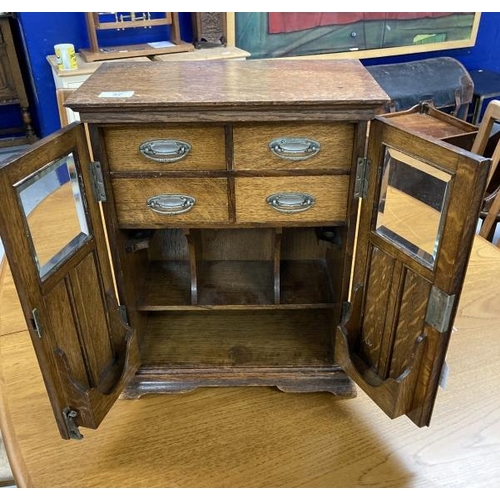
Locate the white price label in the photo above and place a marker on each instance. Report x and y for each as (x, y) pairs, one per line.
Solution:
(117, 94)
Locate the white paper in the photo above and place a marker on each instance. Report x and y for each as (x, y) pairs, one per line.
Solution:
(161, 45)
(124, 93)
(445, 372)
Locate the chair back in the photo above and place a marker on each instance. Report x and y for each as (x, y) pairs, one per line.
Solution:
(491, 205)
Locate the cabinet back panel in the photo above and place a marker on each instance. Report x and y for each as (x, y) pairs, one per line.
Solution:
(229, 282)
(169, 244)
(237, 244)
(302, 244)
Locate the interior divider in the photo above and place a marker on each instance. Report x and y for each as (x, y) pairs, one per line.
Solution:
(194, 249)
(277, 265)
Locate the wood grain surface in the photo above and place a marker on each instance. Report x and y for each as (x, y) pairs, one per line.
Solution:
(330, 193)
(258, 437)
(206, 141)
(252, 151)
(235, 83)
(131, 194)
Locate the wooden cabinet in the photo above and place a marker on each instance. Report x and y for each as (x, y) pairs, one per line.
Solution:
(230, 199)
(12, 88)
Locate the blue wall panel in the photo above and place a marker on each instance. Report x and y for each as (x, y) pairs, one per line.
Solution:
(41, 31)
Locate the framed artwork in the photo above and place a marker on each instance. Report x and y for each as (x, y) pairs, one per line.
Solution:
(350, 34)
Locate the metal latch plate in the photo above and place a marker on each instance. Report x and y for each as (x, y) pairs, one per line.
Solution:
(439, 309)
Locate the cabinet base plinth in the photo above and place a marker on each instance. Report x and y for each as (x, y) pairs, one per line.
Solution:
(151, 381)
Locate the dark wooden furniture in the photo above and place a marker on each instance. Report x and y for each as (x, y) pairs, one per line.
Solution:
(492, 218)
(209, 29)
(12, 88)
(231, 214)
(491, 205)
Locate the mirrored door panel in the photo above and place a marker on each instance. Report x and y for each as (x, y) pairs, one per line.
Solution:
(412, 201)
(51, 241)
(416, 228)
(55, 243)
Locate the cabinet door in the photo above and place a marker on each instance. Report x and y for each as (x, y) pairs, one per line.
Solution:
(416, 229)
(58, 257)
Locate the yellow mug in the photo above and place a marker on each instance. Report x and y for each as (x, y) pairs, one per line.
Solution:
(65, 56)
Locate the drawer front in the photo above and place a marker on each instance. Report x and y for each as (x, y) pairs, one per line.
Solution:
(155, 202)
(166, 148)
(293, 146)
(292, 200)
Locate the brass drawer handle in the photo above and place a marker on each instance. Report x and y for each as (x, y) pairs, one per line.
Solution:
(165, 150)
(171, 204)
(291, 203)
(295, 149)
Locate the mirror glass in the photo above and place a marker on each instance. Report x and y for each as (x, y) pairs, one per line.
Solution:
(412, 202)
(51, 241)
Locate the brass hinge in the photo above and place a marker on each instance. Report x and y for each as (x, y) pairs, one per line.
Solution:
(439, 310)
(361, 183)
(97, 181)
(69, 416)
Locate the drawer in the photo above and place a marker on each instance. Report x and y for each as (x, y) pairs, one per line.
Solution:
(166, 207)
(179, 147)
(290, 204)
(293, 146)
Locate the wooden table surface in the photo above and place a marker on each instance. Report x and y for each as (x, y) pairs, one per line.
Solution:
(261, 437)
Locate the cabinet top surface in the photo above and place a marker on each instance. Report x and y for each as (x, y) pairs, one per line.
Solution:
(278, 82)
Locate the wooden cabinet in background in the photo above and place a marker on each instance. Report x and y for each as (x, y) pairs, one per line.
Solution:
(12, 88)
(231, 199)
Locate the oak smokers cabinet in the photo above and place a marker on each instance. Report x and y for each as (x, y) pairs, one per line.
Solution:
(216, 239)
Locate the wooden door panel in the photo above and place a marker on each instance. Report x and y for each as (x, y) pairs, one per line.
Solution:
(413, 298)
(61, 317)
(388, 340)
(379, 285)
(86, 350)
(416, 230)
(90, 315)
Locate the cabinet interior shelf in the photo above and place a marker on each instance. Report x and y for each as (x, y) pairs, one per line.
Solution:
(238, 269)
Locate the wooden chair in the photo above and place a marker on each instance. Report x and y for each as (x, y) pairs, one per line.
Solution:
(490, 212)
(492, 218)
